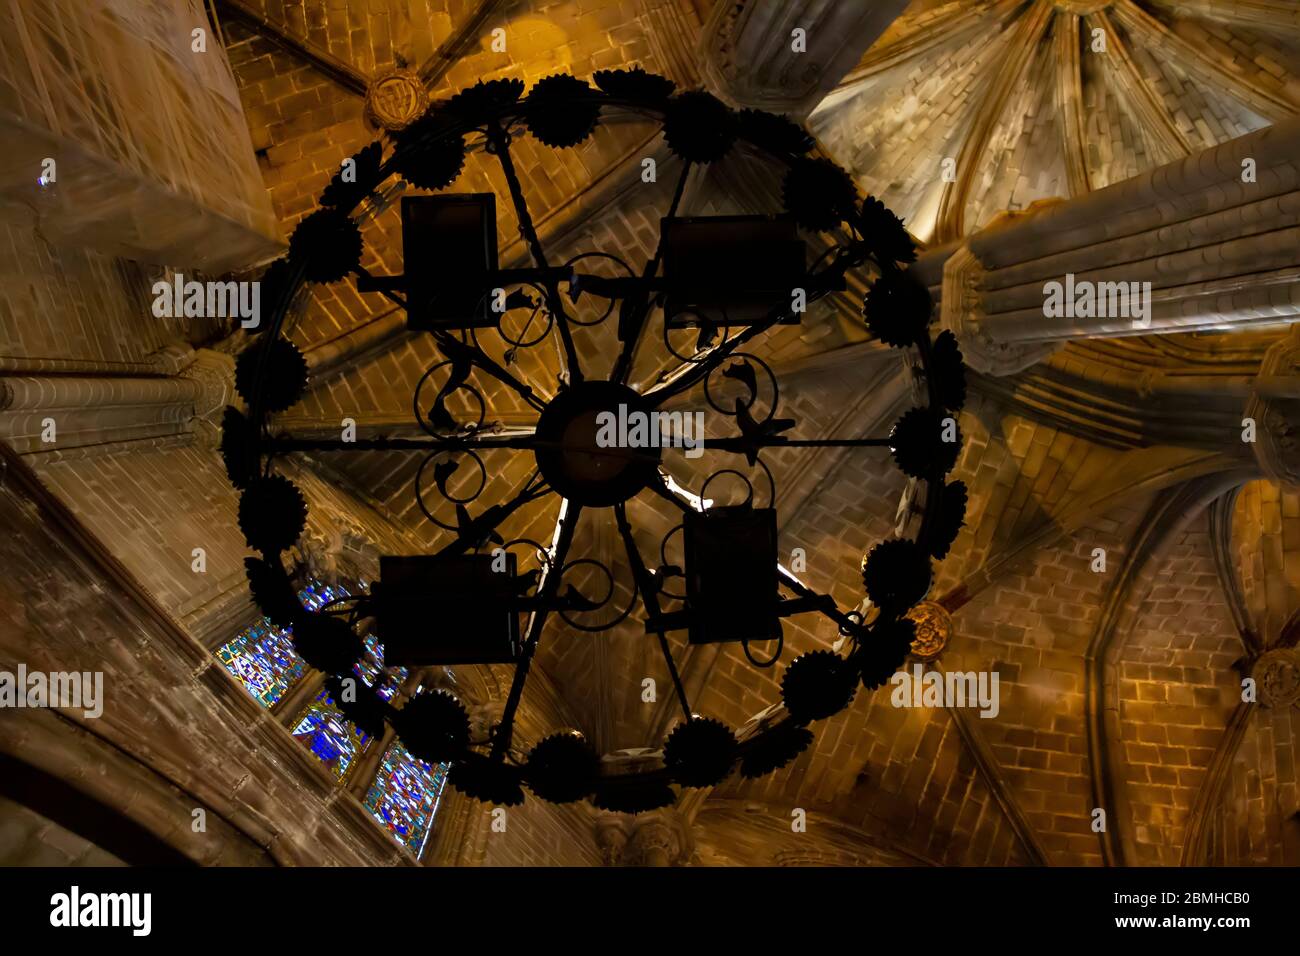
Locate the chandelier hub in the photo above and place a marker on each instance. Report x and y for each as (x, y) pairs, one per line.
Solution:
(595, 443)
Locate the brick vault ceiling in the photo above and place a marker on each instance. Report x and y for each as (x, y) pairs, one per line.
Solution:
(943, 787)
(1015, 95)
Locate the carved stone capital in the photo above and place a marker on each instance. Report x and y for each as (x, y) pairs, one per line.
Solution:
(314, 550)
(394, 100)
(611, 837)
(654, 844)
(1277, 677)
(214, 373)
(1083, 7)
(962, 313)
(483, 717)
(662, 838)
(172, 359)
(1275, 406)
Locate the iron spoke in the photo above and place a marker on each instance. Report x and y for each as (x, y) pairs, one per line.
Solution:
(547, 586)
(500, 139)
(623, 366)
(650, 599)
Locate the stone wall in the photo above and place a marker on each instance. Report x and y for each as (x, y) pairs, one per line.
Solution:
(152, 156)
(29, 839)
(177, 732)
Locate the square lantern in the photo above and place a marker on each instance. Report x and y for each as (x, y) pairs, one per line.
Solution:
(731, 270)
(731, 576)
(431, 609)
(449, 253)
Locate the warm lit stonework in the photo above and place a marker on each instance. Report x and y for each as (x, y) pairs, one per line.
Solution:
(395, 99)
(1129, 566)
(933, 630)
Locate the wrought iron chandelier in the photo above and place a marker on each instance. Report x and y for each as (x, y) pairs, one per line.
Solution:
(729, 279)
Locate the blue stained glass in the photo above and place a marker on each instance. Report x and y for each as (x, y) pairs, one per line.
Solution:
(263, 660)
(262, 655)
(329, 735)
(371, 669)
(316, 595)
(404, 796)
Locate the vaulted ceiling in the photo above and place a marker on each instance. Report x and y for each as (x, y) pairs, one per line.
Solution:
(1119, 688)
(1014, 95)
(1032, 101)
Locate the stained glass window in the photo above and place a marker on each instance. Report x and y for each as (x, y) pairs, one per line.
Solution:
(371, 666)
(371, 669)
(263, 659)
(316, 595)
(405, 796)
(405, 792)
(329, 735)
(262, 656)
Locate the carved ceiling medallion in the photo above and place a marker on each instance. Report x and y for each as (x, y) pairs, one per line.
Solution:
(1277, 677)
(396, 99)
(933, 630)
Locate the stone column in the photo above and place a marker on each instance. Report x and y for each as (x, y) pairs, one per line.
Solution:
(654, 843)
(214, 375)
(287, 708)
(661, 838)
(152, 161)
(1216, 235)
(42, 414)
(100, 411)
(611, 837)
(752, 56)
(1275, 407)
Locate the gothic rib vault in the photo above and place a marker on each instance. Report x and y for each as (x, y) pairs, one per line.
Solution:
(1120, 689)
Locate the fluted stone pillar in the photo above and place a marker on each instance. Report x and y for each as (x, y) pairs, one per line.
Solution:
(363, 776)
(288, 707)
(1216, 236)
(752, 56)
(186, 397)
